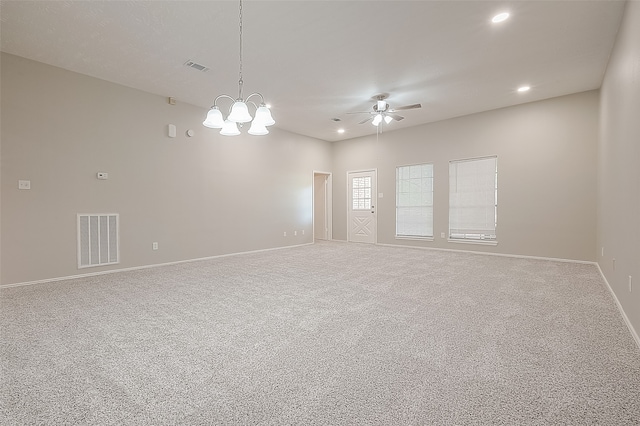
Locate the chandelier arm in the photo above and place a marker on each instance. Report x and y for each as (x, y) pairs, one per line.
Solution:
(257, 94)
(215, 102)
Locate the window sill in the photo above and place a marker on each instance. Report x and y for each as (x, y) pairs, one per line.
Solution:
(403, 237)
(477, 242)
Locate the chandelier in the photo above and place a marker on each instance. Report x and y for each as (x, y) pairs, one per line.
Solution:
(239, 112)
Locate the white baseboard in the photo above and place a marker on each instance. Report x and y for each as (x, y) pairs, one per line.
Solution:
(135, 268)
(634, 334)
(488, 253)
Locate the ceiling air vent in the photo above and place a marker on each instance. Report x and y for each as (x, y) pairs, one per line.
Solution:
(196, 66)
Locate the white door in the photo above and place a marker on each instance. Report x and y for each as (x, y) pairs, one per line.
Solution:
(362, 211)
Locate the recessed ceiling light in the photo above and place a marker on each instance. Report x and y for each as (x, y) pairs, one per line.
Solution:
(500, 17)
(340, 131)
(522, 89)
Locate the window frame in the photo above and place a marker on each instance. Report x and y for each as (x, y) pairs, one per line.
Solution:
(407, 236)
(362, 195)
(471, 237)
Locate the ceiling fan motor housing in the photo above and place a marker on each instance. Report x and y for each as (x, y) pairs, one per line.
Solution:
(381, 106)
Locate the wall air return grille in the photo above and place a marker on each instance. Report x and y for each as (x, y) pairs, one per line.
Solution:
(98, 239)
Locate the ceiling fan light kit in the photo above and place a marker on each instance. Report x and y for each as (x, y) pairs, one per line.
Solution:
(381, 111)
(239, 112)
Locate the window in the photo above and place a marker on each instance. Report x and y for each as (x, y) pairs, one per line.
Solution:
(414, 201)
(473, 199)
(361, 187)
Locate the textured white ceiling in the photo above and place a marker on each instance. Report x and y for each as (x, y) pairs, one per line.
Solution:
(317, 60)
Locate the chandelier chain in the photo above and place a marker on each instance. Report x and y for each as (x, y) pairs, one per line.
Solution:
(239, 111)
(240, 82)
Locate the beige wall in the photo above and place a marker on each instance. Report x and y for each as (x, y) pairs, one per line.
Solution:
(197, 197)
(546, 174)
(618, 229)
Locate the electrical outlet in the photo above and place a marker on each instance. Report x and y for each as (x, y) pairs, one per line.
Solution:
(303, 232)
(442, 235)
(295, 233)
(285, 233)
(155, 246)
(24, 184)
(630, 284)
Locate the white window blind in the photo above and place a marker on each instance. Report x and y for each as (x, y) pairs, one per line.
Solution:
(473, 199)
(414, 201)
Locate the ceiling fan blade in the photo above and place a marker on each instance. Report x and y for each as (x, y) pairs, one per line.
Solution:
(396, 116)
(364, 121)
(358, 112)
(414, 106)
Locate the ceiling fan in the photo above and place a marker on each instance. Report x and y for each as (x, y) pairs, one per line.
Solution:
(382, 111)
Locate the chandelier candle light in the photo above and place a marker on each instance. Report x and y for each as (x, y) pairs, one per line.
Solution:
(239, 110)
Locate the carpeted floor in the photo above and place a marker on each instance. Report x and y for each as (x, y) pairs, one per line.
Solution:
(330, 333)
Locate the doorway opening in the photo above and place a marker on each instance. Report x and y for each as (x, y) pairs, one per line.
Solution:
(322, 206)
